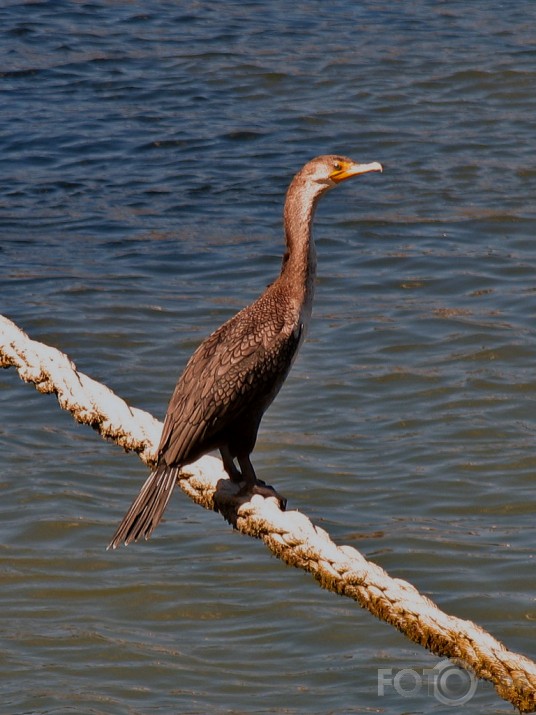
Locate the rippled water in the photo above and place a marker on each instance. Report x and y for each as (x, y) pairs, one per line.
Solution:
(146, 149)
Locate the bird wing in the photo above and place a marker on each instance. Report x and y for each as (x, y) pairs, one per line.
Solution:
(240, 366)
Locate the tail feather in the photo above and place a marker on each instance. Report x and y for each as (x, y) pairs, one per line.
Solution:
(146, 510)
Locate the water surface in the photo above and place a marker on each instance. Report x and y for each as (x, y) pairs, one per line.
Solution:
(146, 150)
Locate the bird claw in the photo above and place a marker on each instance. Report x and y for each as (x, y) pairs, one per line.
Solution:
(227, 500)
(264, 490)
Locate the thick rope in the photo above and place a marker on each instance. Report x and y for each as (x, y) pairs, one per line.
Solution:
(289, 535)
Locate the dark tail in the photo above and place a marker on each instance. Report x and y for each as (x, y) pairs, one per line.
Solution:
(146, 511)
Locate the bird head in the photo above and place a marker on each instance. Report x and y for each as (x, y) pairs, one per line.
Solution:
(331, 169)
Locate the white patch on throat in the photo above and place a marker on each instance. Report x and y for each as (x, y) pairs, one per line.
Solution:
(307, 305)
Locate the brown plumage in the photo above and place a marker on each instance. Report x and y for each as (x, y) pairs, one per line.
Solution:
(234, 375)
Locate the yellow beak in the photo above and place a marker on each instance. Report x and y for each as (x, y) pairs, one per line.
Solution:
(350, 169)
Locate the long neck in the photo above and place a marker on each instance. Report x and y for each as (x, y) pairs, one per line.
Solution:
(299, 264)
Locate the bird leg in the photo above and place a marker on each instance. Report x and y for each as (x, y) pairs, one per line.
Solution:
(247, 471)
(246, 474)
(230, 467)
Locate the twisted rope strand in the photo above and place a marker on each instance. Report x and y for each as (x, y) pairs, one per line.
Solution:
(289, 535)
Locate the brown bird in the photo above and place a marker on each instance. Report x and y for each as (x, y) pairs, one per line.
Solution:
(234, 375)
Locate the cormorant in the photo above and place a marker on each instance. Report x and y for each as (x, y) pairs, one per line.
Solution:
(234, 375)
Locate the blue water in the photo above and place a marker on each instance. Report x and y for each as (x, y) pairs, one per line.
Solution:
(145, 151)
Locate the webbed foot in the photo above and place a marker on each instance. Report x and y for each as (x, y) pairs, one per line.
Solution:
(264, 490)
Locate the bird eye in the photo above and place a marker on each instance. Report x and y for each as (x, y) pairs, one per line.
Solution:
(337, 166)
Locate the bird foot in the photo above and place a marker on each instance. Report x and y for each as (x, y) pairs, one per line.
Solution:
(227, 504)
(264, 490)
